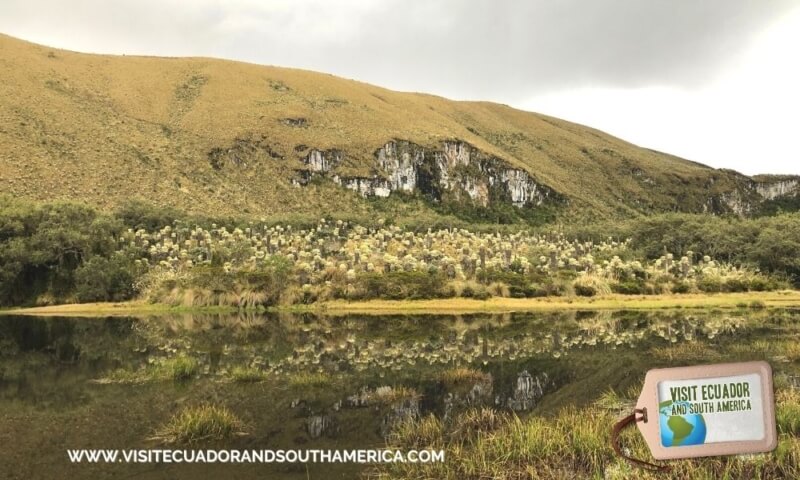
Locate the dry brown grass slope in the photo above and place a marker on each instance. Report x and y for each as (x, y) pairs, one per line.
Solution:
(105, 129)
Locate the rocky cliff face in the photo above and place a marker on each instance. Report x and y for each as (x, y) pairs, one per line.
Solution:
(457, 169)
(771, 190)
(318, 161)
(751, 192)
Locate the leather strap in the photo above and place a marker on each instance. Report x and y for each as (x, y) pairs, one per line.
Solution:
(619, 426)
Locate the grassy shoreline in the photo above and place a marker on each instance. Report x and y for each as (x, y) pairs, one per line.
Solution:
(780, 299)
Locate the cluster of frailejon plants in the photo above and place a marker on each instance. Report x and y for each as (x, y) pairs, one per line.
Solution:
(262, 265)
(63, 252)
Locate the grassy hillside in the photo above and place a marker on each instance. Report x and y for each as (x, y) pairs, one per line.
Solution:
(220, 138)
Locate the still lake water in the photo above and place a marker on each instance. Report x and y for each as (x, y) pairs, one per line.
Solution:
(320, 372)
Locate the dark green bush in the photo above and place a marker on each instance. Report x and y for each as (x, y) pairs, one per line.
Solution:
(585, 290)
(537, 290)
(519, 285)
(681, 287)
(759, 284)
(735, 285)
(402, 285)
(630, 287)
(100, 279)
(709, 285)
(42, 246)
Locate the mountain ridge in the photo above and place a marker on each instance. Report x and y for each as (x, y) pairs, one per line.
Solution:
(225, 137)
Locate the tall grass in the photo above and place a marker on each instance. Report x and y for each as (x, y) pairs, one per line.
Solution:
(199, 424)
(573, 443)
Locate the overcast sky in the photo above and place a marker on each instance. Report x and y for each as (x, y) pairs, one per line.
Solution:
(714, 81)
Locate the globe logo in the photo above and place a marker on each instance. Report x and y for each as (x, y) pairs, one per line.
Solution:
(680, 430)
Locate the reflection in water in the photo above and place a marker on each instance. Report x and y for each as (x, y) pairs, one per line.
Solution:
(64, 349)
(346, 380)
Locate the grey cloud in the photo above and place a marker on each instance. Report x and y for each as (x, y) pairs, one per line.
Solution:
(502, 49)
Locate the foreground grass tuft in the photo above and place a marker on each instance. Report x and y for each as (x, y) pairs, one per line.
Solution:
(199, 424)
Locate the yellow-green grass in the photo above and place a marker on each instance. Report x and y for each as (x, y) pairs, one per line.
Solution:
(779, 299)
(573, 443)
(204, 423)
(112, 309)
(104, 129)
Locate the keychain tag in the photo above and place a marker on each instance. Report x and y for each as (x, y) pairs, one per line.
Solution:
(707, 410)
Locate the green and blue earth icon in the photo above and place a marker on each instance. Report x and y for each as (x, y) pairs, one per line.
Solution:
(680, 429)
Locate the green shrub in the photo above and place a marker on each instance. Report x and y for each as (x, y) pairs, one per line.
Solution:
(402, 285)
(758, 284)
(100, 279)
(477, 292)
(735, 285)
(681, 287)
(519, 285)
(710, 285)
(630, 287)
(585, 290)
(590, 285)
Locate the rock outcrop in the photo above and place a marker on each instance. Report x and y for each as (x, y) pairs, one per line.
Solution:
(771, 190)
(751, 192)
(322, 162)
(457, 169)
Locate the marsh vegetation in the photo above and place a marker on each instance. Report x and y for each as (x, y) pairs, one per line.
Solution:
(508, 395)
(61, 253)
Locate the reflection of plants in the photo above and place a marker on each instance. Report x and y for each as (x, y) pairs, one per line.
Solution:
(461, 377)
(247, 374)
(301, 348)
(392, 395)
(758, 304)
(308, 379)
(199, 424)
